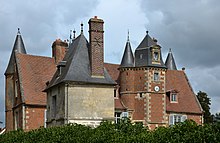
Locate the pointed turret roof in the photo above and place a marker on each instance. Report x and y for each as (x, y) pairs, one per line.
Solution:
(170, 62)
(146, 42)
(128, 57)
(19, 48)
(76, 66)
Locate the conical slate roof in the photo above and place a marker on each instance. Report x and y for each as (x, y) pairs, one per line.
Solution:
(128, 57)
(76, 66)
(19, 48)
(170, 62)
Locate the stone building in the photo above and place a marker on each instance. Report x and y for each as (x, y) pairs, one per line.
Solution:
(76, 86)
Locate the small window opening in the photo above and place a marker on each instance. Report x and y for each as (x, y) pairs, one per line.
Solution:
(156, 76)
(156, 56)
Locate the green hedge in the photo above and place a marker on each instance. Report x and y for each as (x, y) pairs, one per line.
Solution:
(125, 132)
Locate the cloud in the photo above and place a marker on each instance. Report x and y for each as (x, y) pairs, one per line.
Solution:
(190, 28)
(41, 22)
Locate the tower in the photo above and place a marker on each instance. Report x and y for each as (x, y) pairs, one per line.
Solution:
(126, 69)
(149, 64)
(11, 81)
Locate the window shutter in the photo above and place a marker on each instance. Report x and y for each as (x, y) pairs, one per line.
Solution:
(171, 120)
(184, 117)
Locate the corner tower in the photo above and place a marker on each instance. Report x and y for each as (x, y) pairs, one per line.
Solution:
(127, 77)
(11, 81)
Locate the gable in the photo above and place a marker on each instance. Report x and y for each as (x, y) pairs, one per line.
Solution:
(33, 73)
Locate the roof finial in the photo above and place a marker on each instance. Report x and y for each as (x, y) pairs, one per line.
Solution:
(81, 28)
(19, 31)
(170, 50)
(128, 36)
(74, 33)
(147, 32)
(70, 35)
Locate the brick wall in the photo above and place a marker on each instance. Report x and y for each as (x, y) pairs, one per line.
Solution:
(34, 118)
(59, 49)
(196, 118)
(96, 46)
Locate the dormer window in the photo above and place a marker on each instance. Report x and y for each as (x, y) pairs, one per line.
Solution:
(155, 53)
(156, 56)
(173, 97)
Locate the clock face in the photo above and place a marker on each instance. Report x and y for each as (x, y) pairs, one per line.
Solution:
(156, 88)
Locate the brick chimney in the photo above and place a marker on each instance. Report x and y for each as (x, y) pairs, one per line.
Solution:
(96, 37)
(59, 49)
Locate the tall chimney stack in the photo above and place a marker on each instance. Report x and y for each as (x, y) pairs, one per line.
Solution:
(59, 49)
(96, 37)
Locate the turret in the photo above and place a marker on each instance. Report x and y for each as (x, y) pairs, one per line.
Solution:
(170, 62)
(128, 57)
(19, 48)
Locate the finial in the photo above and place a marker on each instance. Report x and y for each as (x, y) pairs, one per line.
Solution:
(81, 28)
(147, 32)
(74, 33)
(19, 31)
(70, 35)
(170, 50)
(128, 36)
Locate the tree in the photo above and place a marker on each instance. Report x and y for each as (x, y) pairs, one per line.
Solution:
(216, 118)
(205, 102)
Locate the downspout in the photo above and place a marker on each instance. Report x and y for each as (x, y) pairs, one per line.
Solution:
(23, 117)
(66, 104)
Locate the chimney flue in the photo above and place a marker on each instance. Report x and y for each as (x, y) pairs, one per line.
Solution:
(96, 37)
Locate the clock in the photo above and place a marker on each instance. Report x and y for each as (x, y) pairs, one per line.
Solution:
(156, 88)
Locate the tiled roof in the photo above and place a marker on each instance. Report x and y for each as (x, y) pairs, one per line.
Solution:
(187, 101)
(34, 72)
(113, 71)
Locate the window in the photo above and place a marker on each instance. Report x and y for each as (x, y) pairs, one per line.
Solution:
(173, 97)
(124, 114)
(156, 56)
(177, 118)
(141, 56)
(16, 88)
(115, 95)
(141, 95)
(156, 76)
(16, 120)
(54, 109)
(117, 117)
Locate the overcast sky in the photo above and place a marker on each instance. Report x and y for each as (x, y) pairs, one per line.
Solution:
(189, 28)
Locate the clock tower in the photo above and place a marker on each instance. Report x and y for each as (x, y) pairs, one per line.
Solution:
(148, 60)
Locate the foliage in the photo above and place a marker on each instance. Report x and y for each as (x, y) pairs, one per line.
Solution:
(205, 102)
(125, 132)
